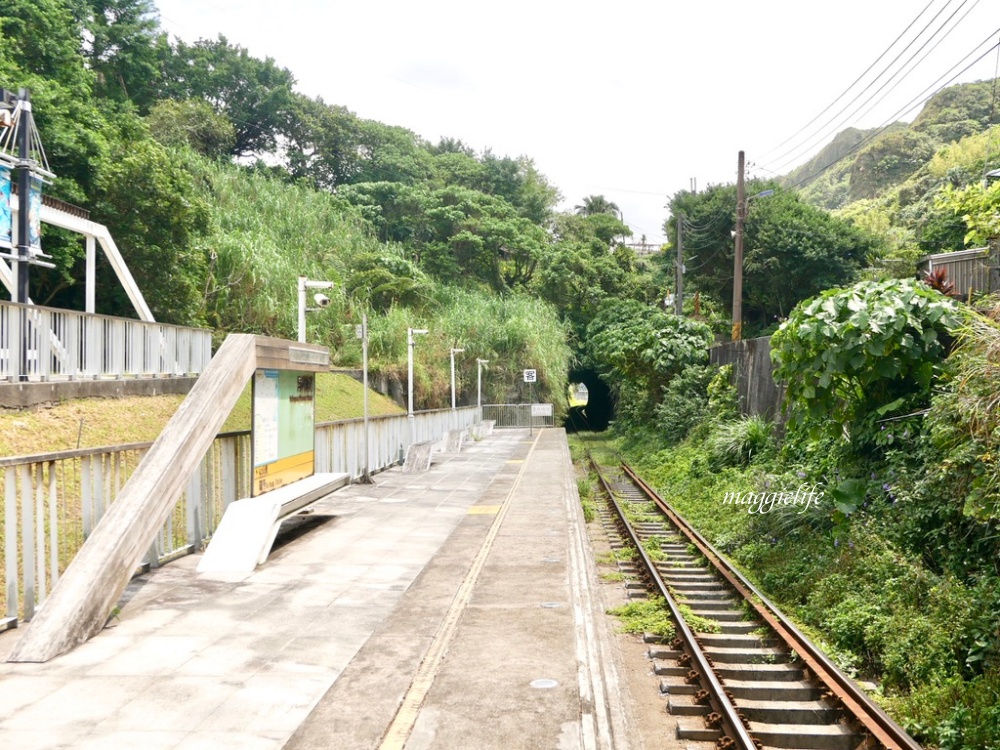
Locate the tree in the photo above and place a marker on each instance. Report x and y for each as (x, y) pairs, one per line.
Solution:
(596, 204)
(147, 198)
(965, 217)
(581, 270)
(638, 349)
(191, 123)
(255, 95)
(124, 47)
(791, 250)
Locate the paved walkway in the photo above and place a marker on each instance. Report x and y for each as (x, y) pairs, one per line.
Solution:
(450, 609)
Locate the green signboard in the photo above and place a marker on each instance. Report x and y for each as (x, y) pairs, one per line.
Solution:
(283, 428)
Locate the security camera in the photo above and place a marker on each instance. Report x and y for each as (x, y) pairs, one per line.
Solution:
(321, 300)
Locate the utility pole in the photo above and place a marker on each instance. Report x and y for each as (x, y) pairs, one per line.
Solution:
(24, 195)
(741, 208)
(679, 299)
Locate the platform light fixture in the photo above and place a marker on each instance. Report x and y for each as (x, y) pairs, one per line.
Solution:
(410, 333)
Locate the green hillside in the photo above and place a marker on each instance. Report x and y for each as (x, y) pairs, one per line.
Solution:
(91, 423)
(917, 188)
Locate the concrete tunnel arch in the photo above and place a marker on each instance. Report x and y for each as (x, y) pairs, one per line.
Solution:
(599, 410)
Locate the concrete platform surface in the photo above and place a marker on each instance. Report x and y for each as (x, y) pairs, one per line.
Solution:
(454, 608)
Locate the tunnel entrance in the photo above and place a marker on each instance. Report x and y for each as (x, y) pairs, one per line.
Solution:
(598, 411)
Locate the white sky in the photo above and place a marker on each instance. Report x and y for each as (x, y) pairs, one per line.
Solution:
(626, 99)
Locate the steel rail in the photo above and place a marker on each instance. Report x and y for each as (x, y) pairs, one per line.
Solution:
(872, 718)
(706, 674)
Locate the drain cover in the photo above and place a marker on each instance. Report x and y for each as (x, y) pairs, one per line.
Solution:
(544, 684)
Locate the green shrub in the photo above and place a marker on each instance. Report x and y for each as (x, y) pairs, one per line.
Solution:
(737, 442)
(685, 403)
(852, 357)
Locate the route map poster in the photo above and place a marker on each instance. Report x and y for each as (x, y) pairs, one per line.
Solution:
(283, 432)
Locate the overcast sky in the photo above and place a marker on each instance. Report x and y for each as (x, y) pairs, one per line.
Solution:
(627, 99)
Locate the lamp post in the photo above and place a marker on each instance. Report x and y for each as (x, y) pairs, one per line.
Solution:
(410, 333)
(479, 384)
(366, 478)
(453, 353)
(321, 301)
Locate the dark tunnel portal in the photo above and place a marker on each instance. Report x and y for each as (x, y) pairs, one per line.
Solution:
(599, 410)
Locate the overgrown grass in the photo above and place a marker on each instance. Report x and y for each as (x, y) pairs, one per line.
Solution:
(647, 616)
(698, 623)
(585, 487)
(878, 609)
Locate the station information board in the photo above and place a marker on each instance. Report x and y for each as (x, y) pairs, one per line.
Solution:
(283, 428)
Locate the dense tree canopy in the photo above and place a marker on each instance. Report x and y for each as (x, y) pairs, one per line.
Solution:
(791, 250)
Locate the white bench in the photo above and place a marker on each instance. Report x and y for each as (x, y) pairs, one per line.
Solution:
(246, 533)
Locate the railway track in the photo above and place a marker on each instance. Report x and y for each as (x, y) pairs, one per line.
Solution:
(747, 678)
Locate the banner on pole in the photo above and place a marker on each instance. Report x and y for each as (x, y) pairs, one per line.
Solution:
(6, 216)
(35, 215)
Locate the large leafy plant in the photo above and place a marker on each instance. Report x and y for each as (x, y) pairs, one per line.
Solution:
(858, 356)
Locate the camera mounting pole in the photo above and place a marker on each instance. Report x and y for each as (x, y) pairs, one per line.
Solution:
(321, 299)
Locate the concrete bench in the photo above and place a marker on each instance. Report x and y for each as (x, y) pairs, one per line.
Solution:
(246, 533)
(418, 457)
(482, 429)
(452, 441)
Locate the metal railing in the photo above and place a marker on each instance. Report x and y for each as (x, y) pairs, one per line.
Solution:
(520, 415)
(45, 344)
(52, 502)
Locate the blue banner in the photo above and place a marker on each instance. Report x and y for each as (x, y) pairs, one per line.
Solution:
(6, 217)
(35, 215)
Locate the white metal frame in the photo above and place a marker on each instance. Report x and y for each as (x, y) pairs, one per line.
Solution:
(94, 234)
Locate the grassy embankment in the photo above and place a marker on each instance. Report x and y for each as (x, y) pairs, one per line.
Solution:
(88, 423)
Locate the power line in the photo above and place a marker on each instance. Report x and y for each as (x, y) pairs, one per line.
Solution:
(855, 83)
(831, 127)
(920, 98)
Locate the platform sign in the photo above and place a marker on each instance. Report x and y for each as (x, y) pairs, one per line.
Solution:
(283, 432)
(530, 376)
(541, 410)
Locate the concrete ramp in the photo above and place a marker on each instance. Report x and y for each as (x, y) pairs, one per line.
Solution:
(247, 530)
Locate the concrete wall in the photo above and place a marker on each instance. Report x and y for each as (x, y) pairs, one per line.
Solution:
(752, 371)
(27, 395)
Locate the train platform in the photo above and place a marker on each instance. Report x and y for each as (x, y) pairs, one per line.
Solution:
(455, 608)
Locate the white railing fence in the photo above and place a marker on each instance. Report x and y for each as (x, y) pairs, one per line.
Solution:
(52, 502)
(45, 344)
(520, 415)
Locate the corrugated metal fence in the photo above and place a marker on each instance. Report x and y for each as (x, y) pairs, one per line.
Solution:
(972, 271)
